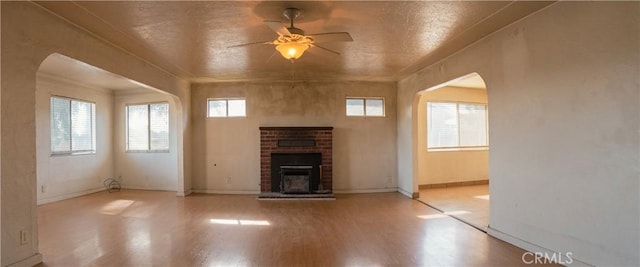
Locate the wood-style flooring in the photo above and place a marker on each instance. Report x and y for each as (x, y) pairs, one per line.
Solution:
(152, 228)
(467, 203)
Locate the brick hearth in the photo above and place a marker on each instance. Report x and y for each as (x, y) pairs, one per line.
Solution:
(269, 137)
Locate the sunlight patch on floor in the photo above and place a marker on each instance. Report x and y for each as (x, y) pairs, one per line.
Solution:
(116, 207)
(442, 215)
(432, 216)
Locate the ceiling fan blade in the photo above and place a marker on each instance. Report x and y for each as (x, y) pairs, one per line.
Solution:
(272, 54)
(254, 43)
(331, 37)
(325, 49)
(277, 27)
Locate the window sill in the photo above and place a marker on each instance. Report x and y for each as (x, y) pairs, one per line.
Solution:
(366, 116)
(453, 149)
(73, 154)
(147, 151)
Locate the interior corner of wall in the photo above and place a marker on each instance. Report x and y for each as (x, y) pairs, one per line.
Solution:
(405, 192)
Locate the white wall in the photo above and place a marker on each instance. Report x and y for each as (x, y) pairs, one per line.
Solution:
(363, 148)
(65, 176)
(563, 87)
(440, 167)
(564, 164)
(29, 35)
(144, 170)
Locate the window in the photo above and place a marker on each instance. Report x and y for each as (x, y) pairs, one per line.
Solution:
(365, 107)
(226, 108)
(456, 125)
(72, 126)
(148, 127)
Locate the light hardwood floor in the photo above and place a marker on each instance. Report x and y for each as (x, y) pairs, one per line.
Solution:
(468, 203)
(145, 228)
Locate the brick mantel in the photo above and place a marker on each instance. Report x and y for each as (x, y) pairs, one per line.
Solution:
(322, 143)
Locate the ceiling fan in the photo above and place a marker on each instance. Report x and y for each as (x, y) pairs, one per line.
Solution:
(292, 42)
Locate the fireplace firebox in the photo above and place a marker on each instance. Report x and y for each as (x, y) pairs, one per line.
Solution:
(295, 179)
(293, 166)
(296, 161)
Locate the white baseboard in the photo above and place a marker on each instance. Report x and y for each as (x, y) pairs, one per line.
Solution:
(404, 192)
(528, 246)
(68, 196)
(148, 188)
(184, 193)
(28, 262)
(364, 191)
(226, 192)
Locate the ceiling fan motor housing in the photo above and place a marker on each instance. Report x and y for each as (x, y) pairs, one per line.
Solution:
(291, 14)
(294, 30)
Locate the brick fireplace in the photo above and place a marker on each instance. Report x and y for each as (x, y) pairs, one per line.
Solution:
(298, 147)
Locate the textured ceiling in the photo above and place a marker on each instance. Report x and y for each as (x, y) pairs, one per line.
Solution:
(391, 38)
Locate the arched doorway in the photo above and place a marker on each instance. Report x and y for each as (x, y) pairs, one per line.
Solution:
(453, 149)
(66, 167)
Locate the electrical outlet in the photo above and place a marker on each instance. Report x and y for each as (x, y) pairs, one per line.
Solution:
(24, 237)
(389, 179)
(43, 188)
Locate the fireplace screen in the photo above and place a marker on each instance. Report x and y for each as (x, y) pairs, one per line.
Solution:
(295, 179)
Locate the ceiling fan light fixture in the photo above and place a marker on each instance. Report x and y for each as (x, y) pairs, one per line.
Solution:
(292, 50)
(292, 47)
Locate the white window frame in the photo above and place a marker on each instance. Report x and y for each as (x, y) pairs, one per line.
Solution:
(364, 99)
(93, 128)
(460, 148)
(148, 150)
(227, 106)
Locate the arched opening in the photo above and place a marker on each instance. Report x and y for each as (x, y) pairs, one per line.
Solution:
(84, 121)
(86, 132)
(93, 125)
(452, 149)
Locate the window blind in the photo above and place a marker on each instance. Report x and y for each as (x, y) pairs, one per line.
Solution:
(473, 126)
(72, 125)
(137, 127)
(442, 129)
(60, 125)
(81, 126)
(159, 126)
(456, 125)
(148, 127)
